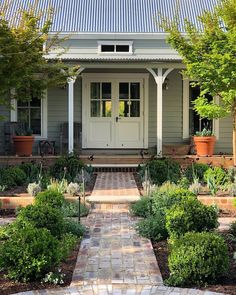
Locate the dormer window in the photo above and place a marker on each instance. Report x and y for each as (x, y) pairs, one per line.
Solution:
(118, 47)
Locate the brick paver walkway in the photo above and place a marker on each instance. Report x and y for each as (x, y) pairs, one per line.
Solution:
(113, 259)
(115, 187)
(113, 253)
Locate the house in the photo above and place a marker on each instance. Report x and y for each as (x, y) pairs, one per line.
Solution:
(130, 94)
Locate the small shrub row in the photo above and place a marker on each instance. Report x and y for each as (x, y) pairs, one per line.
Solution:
(39, 239)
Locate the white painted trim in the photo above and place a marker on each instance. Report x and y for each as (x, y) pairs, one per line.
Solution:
(185, 108)
(13, 116)
(146, 110)
(167, 72)
(84, 112)
(44, 116)
(71, 82)
(114, 75)
(159, 112)
(115, 43)
(112, 36)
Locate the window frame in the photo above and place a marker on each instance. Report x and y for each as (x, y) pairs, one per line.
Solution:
(44, 115)
(115, 43)
(186, 112)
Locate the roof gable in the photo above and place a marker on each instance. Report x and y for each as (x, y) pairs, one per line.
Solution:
(116, 16)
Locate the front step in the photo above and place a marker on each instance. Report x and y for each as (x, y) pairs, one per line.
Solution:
(110, 206)
(115, 168)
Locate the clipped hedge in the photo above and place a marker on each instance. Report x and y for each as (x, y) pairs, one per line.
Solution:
(197, 259)
(29, 253)
(190, 215)
(43, 216)
(50, 197)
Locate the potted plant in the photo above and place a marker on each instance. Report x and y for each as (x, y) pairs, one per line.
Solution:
(23, 142)
(204, 142)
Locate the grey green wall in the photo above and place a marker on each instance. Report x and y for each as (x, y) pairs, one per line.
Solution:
(172, 113)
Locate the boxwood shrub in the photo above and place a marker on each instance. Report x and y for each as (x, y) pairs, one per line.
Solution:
(29, 253)
(43, 216)
(142, 207)
(197, 259)
(50, 197)
(190, 215)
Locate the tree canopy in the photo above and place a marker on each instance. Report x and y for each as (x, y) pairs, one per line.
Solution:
(24, 41)
(210, 57)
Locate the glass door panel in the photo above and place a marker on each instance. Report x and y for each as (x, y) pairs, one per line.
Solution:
(101, 101)
(129, 100)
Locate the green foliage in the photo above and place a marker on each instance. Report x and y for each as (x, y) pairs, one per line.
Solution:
(71, 209)
(163, 170)
(153, 227)
(197, 259)
(22, 64)
(142, 207)
(29, 253)
(12, 176)
(17, 174)
(216, 175)
(164, 200)
(43, 216)
(190, 215)
(67, 244)
(32, 171)
(196, 171)
(233, 228)
(209, 57)
(204, 132)
(66, 167)
(74, 227)
(52, 198)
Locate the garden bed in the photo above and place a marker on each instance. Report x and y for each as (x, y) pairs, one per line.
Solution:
(67, 267)
(226, 285)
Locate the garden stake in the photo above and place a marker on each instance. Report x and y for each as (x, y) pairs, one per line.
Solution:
(79, 207)
(83, 180)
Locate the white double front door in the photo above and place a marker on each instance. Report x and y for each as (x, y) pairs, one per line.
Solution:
(114, 113)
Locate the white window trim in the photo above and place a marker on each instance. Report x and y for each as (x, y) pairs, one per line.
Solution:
(216, 123)
(44, 116)
(128, 43)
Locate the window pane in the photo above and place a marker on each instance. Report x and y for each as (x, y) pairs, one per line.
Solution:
(108, 48)
(106, 108)
(135, 109)
(122, 48)
(95, 108)
(124, 108)
(35, 121)
(106, 90)
(124, 91)
(135, 91)
(95, 90)
(22, 103)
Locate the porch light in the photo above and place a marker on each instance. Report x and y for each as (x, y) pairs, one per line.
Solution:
(165, 85)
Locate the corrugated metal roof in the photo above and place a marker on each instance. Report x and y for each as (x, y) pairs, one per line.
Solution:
(116, 16)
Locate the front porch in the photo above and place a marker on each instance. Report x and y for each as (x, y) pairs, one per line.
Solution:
(103, 161)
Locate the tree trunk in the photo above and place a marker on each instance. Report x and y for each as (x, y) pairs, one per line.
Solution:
(234, 138)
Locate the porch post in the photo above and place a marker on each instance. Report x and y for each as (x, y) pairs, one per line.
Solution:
(159, 81)
(71, 82)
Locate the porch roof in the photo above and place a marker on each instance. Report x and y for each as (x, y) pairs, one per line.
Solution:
(115, 16)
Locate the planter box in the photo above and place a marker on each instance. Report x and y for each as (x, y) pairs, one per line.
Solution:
(225, 203)
(23, 200)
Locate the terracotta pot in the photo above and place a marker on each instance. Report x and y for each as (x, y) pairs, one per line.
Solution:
(23, 145)
(204, 145)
